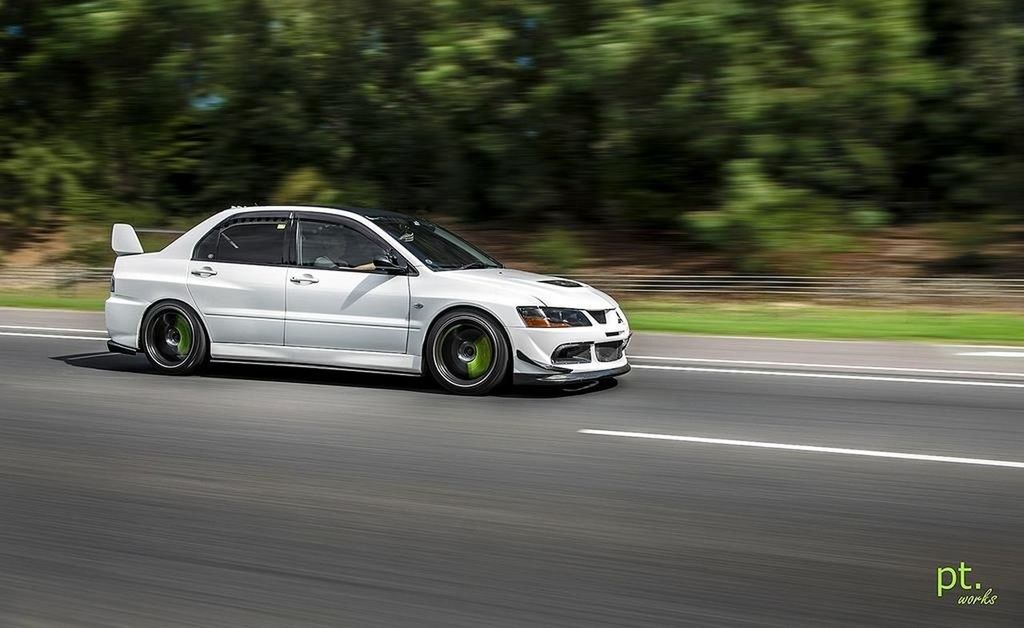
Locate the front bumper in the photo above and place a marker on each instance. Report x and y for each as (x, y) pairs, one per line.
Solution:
(535, 360)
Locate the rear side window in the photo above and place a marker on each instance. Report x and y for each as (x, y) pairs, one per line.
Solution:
(245, 243)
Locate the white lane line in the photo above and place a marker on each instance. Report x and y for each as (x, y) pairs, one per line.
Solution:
(65, 337)
(869, 378)
(27, 327)
(811, 448)
(853, 367)
(994, 354)
(864, 341)
(985, 346)
(771, 338)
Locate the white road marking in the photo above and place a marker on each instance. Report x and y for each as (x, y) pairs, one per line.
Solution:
(994, 354)
(778, 338)
(986, 346)
(811, 448)
(879, 341)
(11, 333)
(869, 378)
(27, 327)
(855, 367)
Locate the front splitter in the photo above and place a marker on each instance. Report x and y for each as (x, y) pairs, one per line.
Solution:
(556, 379)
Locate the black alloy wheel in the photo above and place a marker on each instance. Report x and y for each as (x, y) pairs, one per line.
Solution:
(467, 352)
(174, 339)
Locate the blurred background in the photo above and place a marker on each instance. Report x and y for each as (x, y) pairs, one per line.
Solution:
(754, 141)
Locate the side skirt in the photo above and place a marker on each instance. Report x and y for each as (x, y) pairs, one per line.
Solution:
(318, 367)
(370, 361)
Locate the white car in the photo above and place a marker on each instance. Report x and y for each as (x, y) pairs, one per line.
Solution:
(355, 289)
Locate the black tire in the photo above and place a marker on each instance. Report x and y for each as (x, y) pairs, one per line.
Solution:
(174, 339)
(466, 352)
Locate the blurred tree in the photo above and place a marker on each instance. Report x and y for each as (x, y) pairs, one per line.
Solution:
(816, 96)
(743, 120)
(973, 131)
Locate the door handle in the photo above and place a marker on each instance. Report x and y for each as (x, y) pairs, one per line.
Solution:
(304, 279)
(205, 271)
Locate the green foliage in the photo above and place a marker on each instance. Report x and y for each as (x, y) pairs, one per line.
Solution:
(766, 127)
(766, 225)
(92, 250)
(557, 251)
(36, 177)
(308, 186)
(305, 186)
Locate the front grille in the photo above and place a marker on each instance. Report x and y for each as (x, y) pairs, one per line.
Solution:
(575, 353)
(609, 351)
(601, 316)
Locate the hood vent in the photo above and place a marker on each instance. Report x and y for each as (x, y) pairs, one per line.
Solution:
(564, 283)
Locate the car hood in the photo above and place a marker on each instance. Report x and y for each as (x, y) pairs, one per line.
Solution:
(534, 285)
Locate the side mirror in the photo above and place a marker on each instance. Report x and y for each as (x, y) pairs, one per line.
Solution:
(388, 265)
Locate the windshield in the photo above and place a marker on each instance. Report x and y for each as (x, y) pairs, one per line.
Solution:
(435, 246)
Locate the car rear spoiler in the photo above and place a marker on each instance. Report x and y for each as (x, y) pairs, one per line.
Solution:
(124, 240)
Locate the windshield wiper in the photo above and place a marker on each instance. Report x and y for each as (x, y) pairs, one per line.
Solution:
(471, 265)
(467, 266)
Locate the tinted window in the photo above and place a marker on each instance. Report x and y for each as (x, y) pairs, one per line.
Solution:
(247, 243)
(207, 247)
(331, 245)
(436, 247)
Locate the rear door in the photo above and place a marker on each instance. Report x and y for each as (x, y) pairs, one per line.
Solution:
(336, 299)
(237, 278)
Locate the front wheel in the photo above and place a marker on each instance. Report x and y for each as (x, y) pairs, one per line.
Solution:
(174, 340)
(467, 352)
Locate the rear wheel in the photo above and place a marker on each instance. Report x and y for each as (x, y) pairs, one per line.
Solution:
(467, 352)
(174, 340)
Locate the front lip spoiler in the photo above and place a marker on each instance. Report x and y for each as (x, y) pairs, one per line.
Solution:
(570, 377)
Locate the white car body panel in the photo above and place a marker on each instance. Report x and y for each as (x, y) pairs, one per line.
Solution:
(347, 310)
(346, 318)
(239, 303)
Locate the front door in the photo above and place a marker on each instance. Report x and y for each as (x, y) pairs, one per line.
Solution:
(336, 299)
(237, 278)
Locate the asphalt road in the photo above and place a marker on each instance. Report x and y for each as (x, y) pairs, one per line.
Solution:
(260, 496)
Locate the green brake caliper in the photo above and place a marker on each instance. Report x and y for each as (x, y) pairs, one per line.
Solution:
(482, 360)
(185, 343)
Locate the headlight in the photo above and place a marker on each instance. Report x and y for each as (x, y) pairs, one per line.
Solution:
(535, 316)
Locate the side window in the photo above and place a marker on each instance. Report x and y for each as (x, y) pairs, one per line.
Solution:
(245, 243)
(331, 246)
(207, 247)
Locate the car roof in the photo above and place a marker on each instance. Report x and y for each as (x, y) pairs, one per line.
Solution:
(339, 209)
